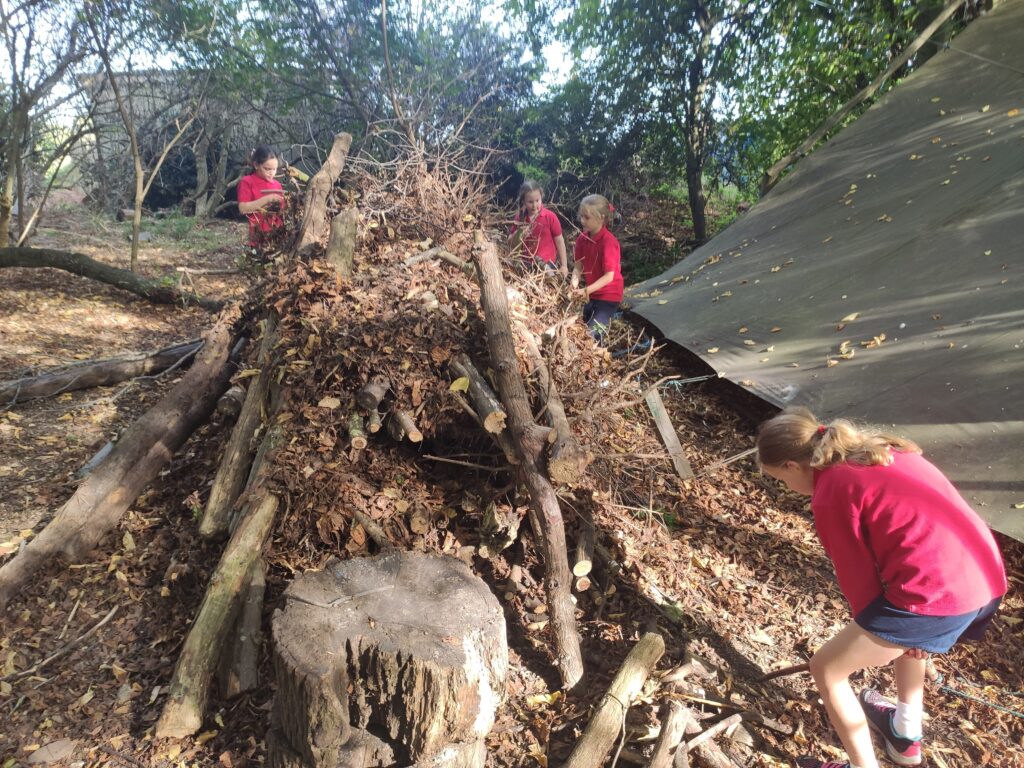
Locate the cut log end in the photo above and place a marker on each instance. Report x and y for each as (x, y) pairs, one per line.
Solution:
(495, 422)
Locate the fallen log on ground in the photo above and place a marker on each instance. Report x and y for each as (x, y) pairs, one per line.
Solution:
(341, 245)
(485, 402)
(239, 664)
(139, 455)
(238, 454)
(85, 266)
(529, 440)
(97, 373)
(607, 723)
(406, 648)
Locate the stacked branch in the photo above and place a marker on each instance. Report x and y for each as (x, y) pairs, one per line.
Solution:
(139, 455)
(529, 440)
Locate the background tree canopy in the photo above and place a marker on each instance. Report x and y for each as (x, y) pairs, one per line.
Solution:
(691, 98)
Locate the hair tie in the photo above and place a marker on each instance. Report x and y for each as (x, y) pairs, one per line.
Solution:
(611, 208)
(822, 429)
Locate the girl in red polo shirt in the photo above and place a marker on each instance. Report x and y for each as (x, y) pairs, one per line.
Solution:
(538, 231)
(596, 256)
(917, 565)
(260, 196)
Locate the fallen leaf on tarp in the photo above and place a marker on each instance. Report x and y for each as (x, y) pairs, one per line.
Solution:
(850, 317)
(712, 350)
(986, 108)
(1013, 112)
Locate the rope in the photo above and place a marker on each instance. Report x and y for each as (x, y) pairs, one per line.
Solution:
(979, 57)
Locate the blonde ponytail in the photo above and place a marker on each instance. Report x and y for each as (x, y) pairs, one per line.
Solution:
(796, 435)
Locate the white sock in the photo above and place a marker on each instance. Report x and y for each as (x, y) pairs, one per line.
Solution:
(907, 721)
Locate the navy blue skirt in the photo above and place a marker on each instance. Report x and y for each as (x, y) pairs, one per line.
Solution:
(934, 634)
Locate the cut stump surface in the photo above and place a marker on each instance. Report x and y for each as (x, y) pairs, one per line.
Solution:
(407, 647)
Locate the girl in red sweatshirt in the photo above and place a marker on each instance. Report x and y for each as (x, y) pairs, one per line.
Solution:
(597, 258)
(917, 565)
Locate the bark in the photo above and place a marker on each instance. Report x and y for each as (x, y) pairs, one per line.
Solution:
(606, 724)
(673, 724)
(233, 469)
(773, 174)
(139, 455)
(341, 246)
(80, 264)
(585, 545)
(370, 396)
(230, 404)
(96, 373)
(529, 440)
(413, 644)
(183, 711)
(567, 461)
(239, 664)
(485, 402)
(315, 212)
(356, 434)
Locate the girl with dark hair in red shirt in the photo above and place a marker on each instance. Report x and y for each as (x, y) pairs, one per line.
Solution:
(260, 196)
(537, 230)
(597, 258)
(917, 565)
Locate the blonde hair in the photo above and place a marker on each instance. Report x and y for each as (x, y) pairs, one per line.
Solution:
(598, 204)
(796, 435)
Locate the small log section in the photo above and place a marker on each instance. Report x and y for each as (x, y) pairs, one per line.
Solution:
(585, 541)
(234, 465)
(142, 451)
(85, 266)
(315, 214)
(485, 402)
(606, 724)
(371, 394)
(567, 461)
(673, 724)
(668, 433)
(341, 246)
(398, 659)
(529, 439)
(97, 373)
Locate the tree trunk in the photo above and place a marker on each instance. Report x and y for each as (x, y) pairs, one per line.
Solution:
(97, 373)
(606, 724)
(234, 465)
(141, 452)
(567, 460)
(341, 246)
(239, 664)
(183, 712)
(529, 439)
(80, 264)
(405, 648)
(315, 213)
(485, 402)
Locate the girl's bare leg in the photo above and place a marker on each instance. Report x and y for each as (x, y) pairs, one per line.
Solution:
(849, 651)
(910, 673)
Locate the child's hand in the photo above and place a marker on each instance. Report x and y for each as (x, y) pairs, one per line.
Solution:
(563, 271)
(581, 292)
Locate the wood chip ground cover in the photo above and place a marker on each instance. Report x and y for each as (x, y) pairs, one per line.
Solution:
(732, 560)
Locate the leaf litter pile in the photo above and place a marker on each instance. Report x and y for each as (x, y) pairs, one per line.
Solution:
(725, 566)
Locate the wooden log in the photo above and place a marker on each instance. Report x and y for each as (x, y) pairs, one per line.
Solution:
(668, 433)
(583, 583)
(407, 425)
(341, 245)
(230, 404)
(710, 733)
(155, 291)
(529, 440)
(567, 461)
(426, 255)
(139, 455)
(499, 528)
(373, 530)
(97, 373)
(356, 434)
(485, 402)
(673, 724)
(233, 470)
(189, 689)
(585, 540)
(412, 643)
(371, 394)
(314, 213)
(239, 664)
(606, 724)
(373, 421)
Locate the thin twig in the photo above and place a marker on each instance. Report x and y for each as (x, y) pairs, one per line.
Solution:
(63, 651)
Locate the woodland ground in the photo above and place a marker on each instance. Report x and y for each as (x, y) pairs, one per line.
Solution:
(751, 588)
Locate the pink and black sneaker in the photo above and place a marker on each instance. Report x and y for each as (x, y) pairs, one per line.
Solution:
(880, 712)
(813, 762)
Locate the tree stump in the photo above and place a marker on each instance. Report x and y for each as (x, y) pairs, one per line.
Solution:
(398, 659)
